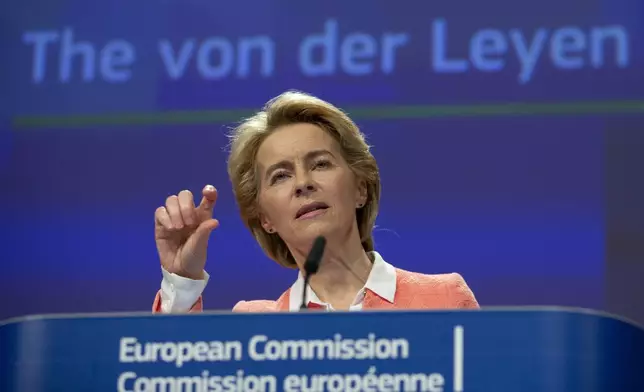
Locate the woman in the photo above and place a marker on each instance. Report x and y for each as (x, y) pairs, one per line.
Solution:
(300, 169)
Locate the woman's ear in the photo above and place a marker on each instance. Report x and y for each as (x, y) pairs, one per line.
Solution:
(361, 193)
(266, 224)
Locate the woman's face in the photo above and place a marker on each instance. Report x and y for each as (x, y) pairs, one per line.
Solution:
(306, 187)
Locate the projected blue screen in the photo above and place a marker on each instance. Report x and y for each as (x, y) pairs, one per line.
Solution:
(489, 123)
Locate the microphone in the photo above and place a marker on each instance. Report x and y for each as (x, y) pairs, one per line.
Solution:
(312, 264)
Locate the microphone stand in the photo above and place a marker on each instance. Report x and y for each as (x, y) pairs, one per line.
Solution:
(311, 266)
(304, 305)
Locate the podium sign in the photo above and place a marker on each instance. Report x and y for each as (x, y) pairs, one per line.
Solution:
(487, 350)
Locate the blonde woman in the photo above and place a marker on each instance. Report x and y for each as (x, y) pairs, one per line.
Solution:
(300, 169)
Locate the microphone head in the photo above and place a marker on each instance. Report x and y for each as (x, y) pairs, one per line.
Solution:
(314, 258)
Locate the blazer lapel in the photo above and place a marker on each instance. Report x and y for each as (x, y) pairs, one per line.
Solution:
(283, 301)
(374, 301)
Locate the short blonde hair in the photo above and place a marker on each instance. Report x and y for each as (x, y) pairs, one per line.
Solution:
(289, 108)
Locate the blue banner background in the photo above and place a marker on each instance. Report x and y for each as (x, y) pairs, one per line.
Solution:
(498, 178)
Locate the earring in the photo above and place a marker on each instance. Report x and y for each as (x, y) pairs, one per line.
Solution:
(360, 205)
(270, 231)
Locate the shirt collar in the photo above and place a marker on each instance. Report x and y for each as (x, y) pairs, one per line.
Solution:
(381, 281)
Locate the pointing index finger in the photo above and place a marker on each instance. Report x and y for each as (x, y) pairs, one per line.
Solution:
(209, 199)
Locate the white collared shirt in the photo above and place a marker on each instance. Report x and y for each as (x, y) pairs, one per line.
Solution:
(178, 294)
(381, 280)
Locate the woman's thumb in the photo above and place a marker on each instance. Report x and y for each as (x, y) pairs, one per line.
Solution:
(205, 228)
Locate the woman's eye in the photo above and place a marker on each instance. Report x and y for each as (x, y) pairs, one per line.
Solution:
(322, 164)
(278, 177)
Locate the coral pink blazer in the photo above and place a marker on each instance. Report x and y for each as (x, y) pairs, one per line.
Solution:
(413, 291)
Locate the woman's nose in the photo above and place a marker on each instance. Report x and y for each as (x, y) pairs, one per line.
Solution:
(304, 186)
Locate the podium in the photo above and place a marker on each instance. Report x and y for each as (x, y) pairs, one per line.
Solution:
(495, 349)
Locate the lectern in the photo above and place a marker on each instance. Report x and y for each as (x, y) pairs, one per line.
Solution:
(495, 350)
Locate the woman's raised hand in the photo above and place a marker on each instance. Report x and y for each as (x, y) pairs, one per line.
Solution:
(182, 230)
